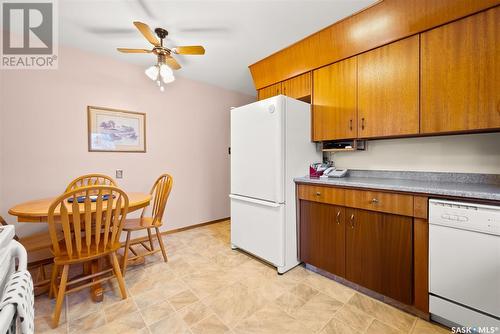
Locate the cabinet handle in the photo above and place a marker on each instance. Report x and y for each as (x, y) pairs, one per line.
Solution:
(363, 123)
(318, 193)
(350, 124)
(374, 201)
(352, 220)
(338, 218)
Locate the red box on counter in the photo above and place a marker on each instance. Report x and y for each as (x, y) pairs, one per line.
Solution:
(314, 173)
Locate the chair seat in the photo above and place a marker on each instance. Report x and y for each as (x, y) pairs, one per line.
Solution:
(136, 224)
(86, 254)
(38, 241)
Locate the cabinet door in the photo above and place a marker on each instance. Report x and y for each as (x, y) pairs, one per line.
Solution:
(363, 236)
(460, 75)
(379, 252)
(322, 236)
(269, 91)
(298, 87)
(388, 90)
(334, 101)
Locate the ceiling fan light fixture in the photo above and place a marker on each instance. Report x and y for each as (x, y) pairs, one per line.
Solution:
(162, 72)
(165, 71)
(152, 72)
(168, 79)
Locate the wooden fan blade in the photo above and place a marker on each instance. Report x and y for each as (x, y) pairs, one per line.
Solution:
(125, 50)
(172, 63)
(146, 32)
(189, 50)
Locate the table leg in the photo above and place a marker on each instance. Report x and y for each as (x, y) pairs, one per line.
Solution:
(96, 291)
(86, 268)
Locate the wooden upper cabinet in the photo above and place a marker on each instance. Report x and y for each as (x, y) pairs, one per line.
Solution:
(334, 101)
(269, 91)
(460, 75)
(383, 22)
(298, 88)
(388, 90)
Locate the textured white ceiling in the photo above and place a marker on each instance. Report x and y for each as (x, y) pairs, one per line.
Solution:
(234, 33)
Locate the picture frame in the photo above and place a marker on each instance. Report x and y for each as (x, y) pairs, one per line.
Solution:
(115, 130)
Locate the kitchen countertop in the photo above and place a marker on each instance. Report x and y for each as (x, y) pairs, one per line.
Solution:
(479, 186)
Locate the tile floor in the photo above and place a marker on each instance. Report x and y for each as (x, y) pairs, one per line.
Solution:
(208, 288)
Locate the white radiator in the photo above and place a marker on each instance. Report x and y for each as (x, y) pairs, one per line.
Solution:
(10, 252)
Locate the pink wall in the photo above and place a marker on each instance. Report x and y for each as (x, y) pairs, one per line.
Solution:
(44, 135)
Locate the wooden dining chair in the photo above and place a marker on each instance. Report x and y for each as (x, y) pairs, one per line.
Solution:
(159, 192)
(90, 180)
(91, 231)
(38, 246)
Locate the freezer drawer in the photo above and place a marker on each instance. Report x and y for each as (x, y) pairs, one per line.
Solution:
(258, 227)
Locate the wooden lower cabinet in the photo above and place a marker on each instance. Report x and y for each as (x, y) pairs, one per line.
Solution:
(322, 241)
(372, 249)
(379, 252)
(421, 264)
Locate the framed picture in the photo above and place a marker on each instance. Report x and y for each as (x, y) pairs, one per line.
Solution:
(112, 130)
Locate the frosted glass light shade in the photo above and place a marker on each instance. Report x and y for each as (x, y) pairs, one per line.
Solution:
(168, 79)
(166, 74)
(165, 71)
(152, 72)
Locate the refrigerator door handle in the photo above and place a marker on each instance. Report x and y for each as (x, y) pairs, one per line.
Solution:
(253, 200)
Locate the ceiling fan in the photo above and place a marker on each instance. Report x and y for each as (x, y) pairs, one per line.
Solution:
(165, 62)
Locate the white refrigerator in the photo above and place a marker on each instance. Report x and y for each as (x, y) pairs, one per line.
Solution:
(270, 145)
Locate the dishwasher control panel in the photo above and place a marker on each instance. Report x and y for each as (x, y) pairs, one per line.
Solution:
(467, 216)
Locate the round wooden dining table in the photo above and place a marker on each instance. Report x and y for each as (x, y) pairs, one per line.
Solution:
(36, 211)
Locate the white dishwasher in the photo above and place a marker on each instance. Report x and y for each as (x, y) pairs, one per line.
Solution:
(464, 263)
